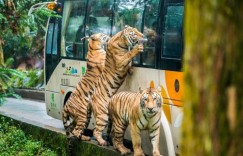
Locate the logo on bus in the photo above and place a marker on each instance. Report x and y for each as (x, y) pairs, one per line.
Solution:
(71, 71)
(53, 103)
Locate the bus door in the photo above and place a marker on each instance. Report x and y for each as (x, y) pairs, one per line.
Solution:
(51, 49)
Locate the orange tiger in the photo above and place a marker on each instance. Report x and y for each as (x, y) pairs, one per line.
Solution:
(77, 106)
(142, 111)
(118, 59)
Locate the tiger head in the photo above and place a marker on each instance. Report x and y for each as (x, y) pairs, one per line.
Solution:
(98, 41)
(97, 50)
(150, 101)
(132, 36)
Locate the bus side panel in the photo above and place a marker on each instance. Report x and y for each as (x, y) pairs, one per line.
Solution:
(172, 90)
(52, 104)
(67, 73)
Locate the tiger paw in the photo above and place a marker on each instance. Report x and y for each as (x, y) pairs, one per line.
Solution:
(124, 150)
(138, 153)
(85, 138)
(139, 47)
(102, 142)
(77, 133)
(156, 153)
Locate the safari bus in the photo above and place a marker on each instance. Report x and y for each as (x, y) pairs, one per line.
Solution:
(161, 21)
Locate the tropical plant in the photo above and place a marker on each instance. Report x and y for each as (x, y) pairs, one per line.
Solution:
(6, 84)
(17, 43)
(16, 23)
(33, 79)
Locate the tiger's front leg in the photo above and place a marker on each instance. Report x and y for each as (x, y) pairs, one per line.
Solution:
(122, 61)
(154, 138)
(136, 140)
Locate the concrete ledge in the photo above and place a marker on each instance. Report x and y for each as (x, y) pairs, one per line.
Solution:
(58, 141)
(31, 94)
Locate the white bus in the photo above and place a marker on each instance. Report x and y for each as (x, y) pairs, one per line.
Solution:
(160, 20)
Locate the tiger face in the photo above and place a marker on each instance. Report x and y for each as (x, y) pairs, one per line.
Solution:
(132, 36)
(98, 41)
(150, 101)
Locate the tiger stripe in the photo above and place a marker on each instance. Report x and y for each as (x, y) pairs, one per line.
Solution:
(116, 68)
(142, 111)
(77, 106)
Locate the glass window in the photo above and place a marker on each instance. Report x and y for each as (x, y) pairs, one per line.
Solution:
(73, 30)
(150, 24)
(49, 38)
(127, 12)
(99, 13)
(172, 31)
(54, 48)
(99, 18)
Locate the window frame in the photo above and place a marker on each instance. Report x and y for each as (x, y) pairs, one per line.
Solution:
(160, 62)
(164, 62)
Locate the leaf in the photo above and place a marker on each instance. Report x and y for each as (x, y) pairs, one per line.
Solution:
(9, 62)
(16, 96)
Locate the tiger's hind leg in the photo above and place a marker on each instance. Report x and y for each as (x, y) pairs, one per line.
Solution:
(101, 123)
(117, 140)
(78, 130)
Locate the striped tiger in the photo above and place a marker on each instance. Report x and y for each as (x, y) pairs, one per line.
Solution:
(118, 62)
(142, 111)
(77, 106)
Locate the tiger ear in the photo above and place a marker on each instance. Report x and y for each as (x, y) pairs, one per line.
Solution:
(152, 84)
(126, 26)
(140, 90)
(94, 37)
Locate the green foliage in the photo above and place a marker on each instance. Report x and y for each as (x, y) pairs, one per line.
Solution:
(6, 74)
(33, 79)
(16, 45)
(14, 141)
(21, 43)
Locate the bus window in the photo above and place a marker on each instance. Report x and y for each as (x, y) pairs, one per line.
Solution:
(51, 47)
(49, 37)
(56, 31)
(172, 31)
(73, 29)
(99, 18)
(150, 27)
(130, 13)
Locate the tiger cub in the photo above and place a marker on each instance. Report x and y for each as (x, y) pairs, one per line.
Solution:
(118, 59)
(77, 106)
(142, 111)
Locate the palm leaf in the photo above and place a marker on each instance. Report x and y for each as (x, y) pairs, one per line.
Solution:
(13, 72)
